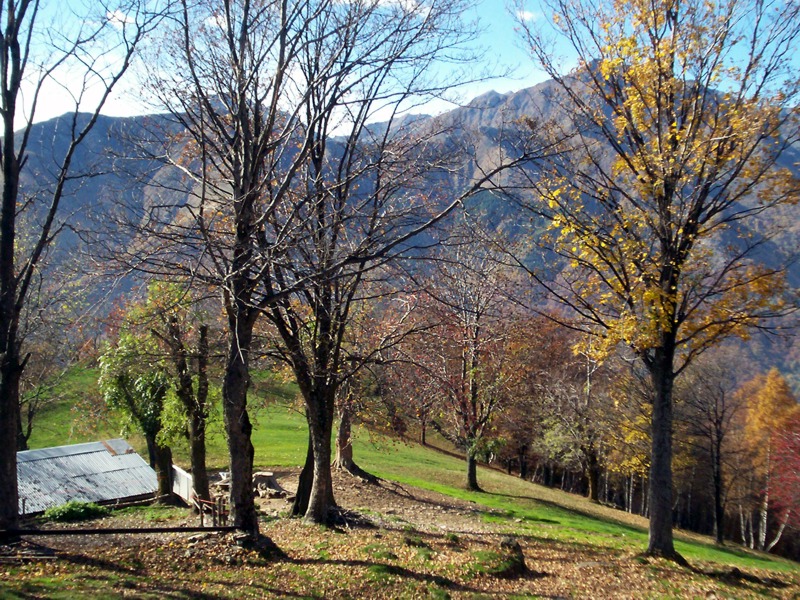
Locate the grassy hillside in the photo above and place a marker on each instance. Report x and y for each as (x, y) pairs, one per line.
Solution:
(517, 506)
(78, 415)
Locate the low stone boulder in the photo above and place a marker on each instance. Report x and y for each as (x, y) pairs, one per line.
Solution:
(506, 561)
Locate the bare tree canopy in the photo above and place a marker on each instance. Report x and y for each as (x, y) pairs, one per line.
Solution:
(84, 56)
(300, 172)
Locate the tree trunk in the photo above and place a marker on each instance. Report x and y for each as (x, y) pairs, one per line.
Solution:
(22, 435)
(629, 493)
(344, 446)
(423, 431)
(9, 411)
(152, 452)
(643, 506)
(593, 475)
(763, 513)
(660, 494)
(163, 468)
(472, 472)
(320, 412)
(197, 444)
(763, 509)
(303, 495)
(238, 430)
(10, 365)
(523, 467)
(741, 526)
(716, 476)
(195, 404)
(198, 419)
(781, 529)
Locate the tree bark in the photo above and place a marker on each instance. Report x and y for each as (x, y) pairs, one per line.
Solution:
(303, 495)
(197, 444)
(780, 531)
(593, 475)
(163, 460)
(472, 472)
(763, 509)
(716, 475)
(194, 403)
(152, 452)
(239, 429)
(320, 420)
(10, 366)
(22, 434)
(198, 418)
(9, 412)
(660, 493)
(523, 462)
(344, 445)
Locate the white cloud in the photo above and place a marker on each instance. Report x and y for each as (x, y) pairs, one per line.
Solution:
(119, 19)
(527, 16)
(217, 21)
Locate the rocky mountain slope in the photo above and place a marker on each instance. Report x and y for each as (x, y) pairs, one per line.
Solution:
(119, 167)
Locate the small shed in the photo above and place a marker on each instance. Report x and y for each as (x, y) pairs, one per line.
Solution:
(99, 472)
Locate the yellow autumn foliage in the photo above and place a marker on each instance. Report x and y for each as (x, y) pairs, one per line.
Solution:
(644, 235)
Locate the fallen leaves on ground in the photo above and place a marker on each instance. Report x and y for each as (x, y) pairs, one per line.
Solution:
(413, 544)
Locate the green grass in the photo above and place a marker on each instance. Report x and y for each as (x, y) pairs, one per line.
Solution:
(155, 513)
(279, 428)
(538, 512)
(78, 415)
(522, 508)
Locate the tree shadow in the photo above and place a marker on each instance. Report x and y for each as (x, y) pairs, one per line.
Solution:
(400, 491)
(570, 511)
(741, 579)
(111, 579)
(403, 572)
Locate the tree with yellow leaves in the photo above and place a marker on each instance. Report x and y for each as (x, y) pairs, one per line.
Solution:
(770, 406)
(681, 115)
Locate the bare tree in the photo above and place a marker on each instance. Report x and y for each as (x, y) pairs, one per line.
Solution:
(51, 333)
(462, 354)
(85, 56)
(291, 193)
(711, 411)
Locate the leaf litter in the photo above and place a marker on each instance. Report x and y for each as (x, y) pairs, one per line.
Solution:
(392, 541)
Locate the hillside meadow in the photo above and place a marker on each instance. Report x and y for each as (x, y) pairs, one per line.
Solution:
(417, 534)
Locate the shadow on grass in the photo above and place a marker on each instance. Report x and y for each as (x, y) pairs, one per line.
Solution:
(401, 491)
(585, 514)
(101, 585)
(382, 568)
(736, 577)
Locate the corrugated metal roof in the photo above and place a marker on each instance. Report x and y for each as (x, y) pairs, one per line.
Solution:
(92, 472)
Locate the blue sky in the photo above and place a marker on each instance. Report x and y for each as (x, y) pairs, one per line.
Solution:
(504, 45)
(498, 39)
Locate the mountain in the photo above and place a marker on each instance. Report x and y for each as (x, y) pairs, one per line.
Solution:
(117, 168)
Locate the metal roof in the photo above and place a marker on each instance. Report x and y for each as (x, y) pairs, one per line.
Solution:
(92, 472)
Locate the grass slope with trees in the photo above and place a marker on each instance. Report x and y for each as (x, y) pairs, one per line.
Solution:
(418, 533)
